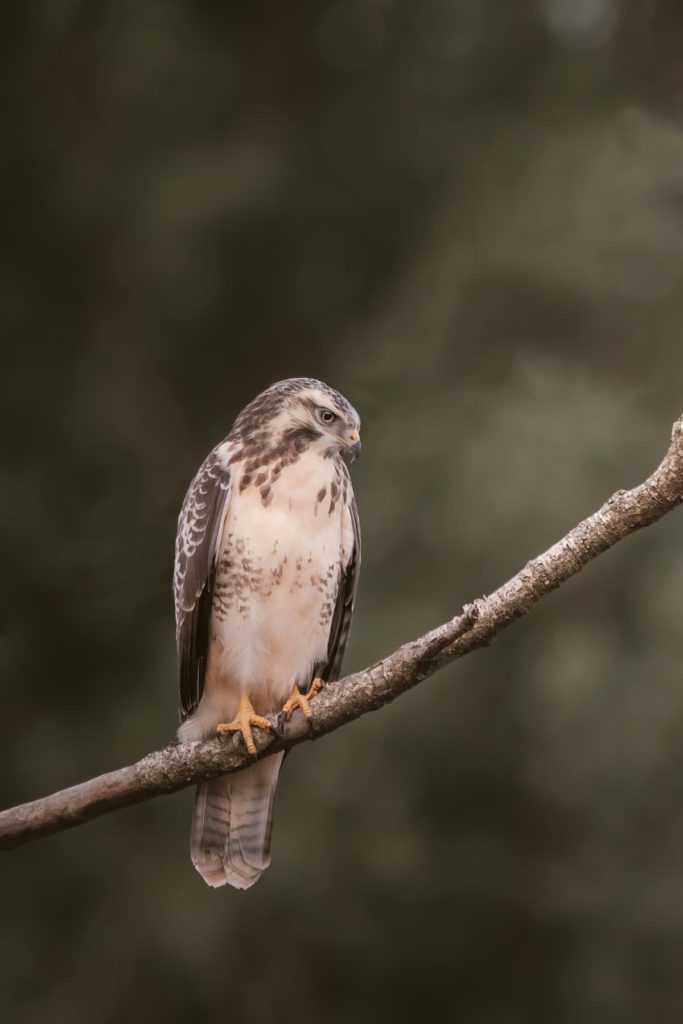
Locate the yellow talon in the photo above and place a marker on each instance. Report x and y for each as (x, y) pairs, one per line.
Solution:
(245, 718)
(297, 699)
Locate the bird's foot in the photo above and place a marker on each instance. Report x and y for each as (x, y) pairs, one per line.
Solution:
(297, 699)
(245, 718)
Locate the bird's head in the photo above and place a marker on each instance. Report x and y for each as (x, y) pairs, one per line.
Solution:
(332, 421)
(310, 414)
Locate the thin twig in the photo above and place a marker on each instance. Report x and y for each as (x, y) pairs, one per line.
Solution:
(181, 765)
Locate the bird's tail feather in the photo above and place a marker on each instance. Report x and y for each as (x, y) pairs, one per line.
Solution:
(232, 824)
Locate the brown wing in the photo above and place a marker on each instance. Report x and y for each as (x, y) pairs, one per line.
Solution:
(199, 527)
(343, 610)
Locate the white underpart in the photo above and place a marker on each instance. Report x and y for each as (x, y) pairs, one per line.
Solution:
(275, 632)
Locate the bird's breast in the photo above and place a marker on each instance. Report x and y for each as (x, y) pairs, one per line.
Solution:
(277, 579)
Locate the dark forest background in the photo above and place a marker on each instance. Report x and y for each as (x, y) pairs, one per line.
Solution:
(467, 215)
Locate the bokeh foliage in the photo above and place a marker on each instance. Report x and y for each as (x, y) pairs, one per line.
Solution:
(466, 215)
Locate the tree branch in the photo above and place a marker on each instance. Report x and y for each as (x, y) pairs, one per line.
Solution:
(181, 765)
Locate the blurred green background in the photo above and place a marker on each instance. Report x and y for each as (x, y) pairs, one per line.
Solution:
(467, 215)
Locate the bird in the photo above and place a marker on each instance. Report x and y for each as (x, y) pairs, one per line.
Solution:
(266, 570)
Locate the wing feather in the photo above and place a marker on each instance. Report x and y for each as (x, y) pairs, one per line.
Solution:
(200, 525)
(343, 610)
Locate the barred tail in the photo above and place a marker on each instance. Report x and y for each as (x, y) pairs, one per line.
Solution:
(232, 825)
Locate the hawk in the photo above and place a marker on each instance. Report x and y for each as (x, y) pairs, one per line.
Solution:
(266, 569)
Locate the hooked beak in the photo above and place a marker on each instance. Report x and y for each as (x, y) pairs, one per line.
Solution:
(353, 445)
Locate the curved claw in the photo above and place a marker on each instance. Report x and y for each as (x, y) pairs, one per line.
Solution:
(243, 721)
(297, 699)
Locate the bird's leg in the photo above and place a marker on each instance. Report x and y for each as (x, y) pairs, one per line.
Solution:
(245, 718)
(297, 699)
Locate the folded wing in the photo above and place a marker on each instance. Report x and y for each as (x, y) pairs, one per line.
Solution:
(200, 525)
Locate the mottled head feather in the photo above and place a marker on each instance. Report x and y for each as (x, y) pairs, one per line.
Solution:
(254, 418)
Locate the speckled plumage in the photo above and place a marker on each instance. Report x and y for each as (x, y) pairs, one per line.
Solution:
(267, 558)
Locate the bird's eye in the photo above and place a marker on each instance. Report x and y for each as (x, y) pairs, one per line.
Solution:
(326, 416)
